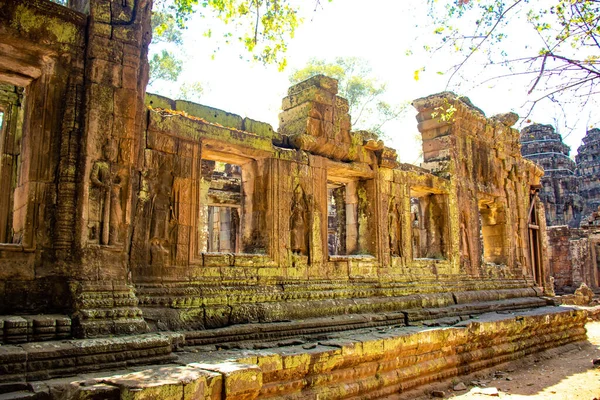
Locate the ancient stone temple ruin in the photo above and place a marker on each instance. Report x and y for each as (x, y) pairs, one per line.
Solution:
(560, 184)
(571, 193)
(588, 168)
(180, 251)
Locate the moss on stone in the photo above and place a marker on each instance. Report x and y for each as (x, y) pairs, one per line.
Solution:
(157, 101)
(30, 22)
(210, 114)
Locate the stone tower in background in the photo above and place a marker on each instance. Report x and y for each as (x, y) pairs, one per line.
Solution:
(560, 185)
(588, 169)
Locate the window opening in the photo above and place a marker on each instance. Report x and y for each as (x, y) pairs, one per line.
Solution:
(12, 211)
(224, 208)
(429, 214)
(347, 218)
(492, 223)
(336, 219)
(534, 238)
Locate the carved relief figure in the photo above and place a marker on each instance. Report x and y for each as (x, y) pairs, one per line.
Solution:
(394, 228)
(465, 244)
(107, 183)
(235, 229)
(161, 216)
(298, 221)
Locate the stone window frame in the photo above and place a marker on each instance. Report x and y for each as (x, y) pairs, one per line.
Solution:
(237, 207)
(216, 151)
(445, 231)
(493, 227)
(18, 111)
(3, 123)
(345, 174)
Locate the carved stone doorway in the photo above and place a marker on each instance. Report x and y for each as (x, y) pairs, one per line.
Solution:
(534, 239)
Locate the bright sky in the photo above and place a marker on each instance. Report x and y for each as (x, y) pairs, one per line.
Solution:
(381, 33)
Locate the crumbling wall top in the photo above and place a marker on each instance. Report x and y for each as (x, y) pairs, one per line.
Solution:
(210, 115)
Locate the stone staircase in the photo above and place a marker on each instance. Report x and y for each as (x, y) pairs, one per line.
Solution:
(368, 363)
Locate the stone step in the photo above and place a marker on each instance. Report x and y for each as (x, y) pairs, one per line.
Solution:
(357, 364)
(13, 387)
(45, 360)
(239, 336)
(19, 395)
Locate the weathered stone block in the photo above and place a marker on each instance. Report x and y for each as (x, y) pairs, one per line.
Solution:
(308, 126)
(321, 81)
(99, 29)
(216, 317)
(128, 33)
(100, 11)
(240, 381)
(217, 260)
(161, 142)
(312, 93)
(125, 103)
(260, 128)
(93, 391)
(309, 109)
(106, 49)
(341, 105)
(157, 101)
(106, 72)
(210, 114)
(129, 77)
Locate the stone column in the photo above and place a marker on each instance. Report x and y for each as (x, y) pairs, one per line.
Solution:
(116, 71)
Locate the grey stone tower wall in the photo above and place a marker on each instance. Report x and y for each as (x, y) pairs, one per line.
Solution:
(588, 169)
(561, 184)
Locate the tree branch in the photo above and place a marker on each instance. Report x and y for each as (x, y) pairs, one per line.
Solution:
(486, 37)
(537, 80)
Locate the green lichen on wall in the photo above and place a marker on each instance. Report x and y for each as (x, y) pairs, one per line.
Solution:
(195, 129)
(210, 114)
(157, 101)
(30, 22)
(356, 145)
(260, 128)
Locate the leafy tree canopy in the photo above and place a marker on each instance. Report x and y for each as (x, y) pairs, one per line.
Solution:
(191, 91)
(356, 83)
(556, 43)
(263, 27)
(164, 66)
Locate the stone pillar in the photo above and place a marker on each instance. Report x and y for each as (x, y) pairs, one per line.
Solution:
(316, 120)
(351, 222)
(116, 71)
(11, 98)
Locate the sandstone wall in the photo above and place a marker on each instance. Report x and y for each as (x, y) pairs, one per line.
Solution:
(117, 218)
(118, 208)
(367, 365)
(490, 185)
(42, 52)
(399, 224)
(571, 261)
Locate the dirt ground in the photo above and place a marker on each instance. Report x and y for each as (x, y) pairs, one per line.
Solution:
(566, 376)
